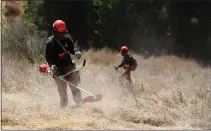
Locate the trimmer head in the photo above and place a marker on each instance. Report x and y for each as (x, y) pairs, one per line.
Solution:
(94, 98)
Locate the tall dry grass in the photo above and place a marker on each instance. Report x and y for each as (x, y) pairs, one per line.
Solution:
(172, 93)
(12, 8)
(11, 12)
(23, 39)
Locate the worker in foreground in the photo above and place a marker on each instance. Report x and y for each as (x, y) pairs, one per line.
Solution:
(59, 48)
(129, 63)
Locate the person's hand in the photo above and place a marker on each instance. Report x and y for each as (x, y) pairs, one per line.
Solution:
(116, 67)
(48, 71)
(54, 69)
(78, 54)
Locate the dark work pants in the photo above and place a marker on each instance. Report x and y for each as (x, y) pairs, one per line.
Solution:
(73, 78)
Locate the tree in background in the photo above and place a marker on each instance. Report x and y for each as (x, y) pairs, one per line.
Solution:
(112, 23)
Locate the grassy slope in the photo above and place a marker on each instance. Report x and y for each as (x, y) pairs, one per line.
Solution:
(172, 94)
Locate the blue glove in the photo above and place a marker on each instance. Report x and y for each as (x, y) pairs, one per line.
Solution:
(78, 54)
(61, 76)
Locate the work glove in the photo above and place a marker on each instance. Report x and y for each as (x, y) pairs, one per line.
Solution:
(54, 69)
(48, 71)
(78, 54)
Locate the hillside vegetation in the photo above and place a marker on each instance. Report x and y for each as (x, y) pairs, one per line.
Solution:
(172, 92)
(182, 28)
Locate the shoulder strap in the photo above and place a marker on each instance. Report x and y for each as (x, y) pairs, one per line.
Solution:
(62, 47)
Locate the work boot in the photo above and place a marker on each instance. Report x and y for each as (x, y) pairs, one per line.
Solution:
(79, 104)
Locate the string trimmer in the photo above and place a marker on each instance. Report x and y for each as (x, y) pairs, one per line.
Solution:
(91, 98)
(132, 92)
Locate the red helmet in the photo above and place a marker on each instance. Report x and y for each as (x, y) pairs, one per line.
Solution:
(59, 26)
(124, 49)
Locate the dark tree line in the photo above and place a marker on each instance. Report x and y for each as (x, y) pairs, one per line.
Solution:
(113, 22)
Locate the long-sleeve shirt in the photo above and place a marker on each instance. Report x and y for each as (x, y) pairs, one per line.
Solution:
(127, 61)
(56, 55)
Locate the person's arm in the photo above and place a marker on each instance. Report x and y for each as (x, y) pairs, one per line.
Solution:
(48, 54)
(73, 47)
(76, 46)
(121, 64)
(50, 58)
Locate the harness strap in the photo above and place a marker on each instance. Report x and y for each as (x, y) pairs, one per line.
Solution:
(63, 47)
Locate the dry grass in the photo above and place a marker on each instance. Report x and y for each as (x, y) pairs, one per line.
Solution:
(12, 8)
(172, 94)
(11, 12)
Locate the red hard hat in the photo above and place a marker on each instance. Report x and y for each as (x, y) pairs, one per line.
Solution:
(124, 49)
(59, 26)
